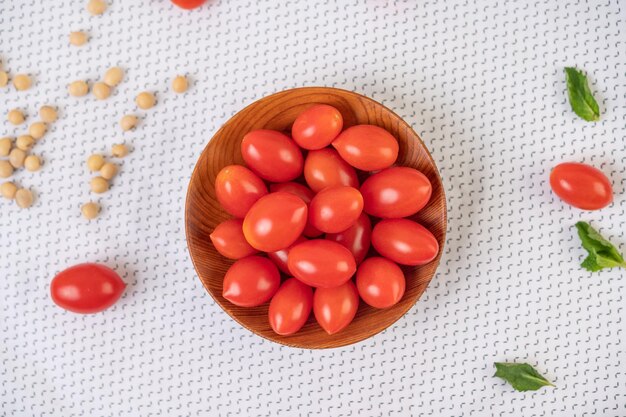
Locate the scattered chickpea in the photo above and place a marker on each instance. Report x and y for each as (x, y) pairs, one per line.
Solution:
(145, 100)
(4, 78)
(108, 171)
(37, 130)
(32, 163)
(5, 146)
(99, 185)
(90, 210)
(24, 198)
(8, 190)
(15, 117)
(180, 84)
(95, 162)
(101, 91)
(6, 169)
(113, 76)
(78, 38)
(16, 157)
(119, 150)
(22, 82)
(48, 114)
(25, 142)
(96, 7)
(78, 88)
(128, 122)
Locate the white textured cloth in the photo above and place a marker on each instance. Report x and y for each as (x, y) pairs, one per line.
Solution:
(482, 82)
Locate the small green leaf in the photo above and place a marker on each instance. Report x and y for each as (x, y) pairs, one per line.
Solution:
(602, 254)
(521, 376)
(580, 98)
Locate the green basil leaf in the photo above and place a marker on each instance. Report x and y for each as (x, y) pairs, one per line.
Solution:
(602, 254)
(580, 98)
(521, 376)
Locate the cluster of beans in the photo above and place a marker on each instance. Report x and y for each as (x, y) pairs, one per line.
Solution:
(100, 184)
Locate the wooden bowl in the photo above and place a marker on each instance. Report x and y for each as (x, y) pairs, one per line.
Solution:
(278, 111)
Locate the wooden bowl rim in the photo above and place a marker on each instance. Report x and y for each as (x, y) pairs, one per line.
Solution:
(436, 261)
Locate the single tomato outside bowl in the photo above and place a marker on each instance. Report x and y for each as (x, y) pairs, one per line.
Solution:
(278, 112)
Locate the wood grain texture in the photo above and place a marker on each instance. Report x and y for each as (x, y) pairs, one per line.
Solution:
(278, 111)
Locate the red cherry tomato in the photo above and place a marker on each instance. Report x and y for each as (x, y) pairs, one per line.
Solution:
(367, 147)
(86, 288)
(251, 281)
(306, 194)
(275, 221)
(188, 4)
(335, 209)
(229, 240)
(280, 257)
(272, 155)
(404, 241)
(356, 238)
(317, 126)
(290, 307)
(380, 282)
(395, 192)
(321, 263)
(581, 186)
(334, 308)
(237, 189)
(325, 168)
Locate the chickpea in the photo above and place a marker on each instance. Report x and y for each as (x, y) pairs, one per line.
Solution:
(15, 117)
(8, 190)
(78, 38)
(101, 91)
(99, 185)
(48, 114)
(78, 88)
(119, 150)
(4, 78)
(32, 163)
(5, 146)
(6, 169)
(37, 130)
(108, 171)
(25, 142)
(128, 122)
(16, 157)
(95, 162)
(22, 82)
(180, 84)
(96, 7)
(145, 100)
(113, 76)
(90, 210)
(24, 198)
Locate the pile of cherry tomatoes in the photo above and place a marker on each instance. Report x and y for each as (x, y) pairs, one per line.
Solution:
(314, 221)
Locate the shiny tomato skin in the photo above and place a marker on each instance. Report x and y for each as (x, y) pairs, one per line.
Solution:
(251, 281)
(272, 155)
(290, 307)
(395, 192)
(237, 189)
(367, 147)
(321, 263)
(189, 4)
(335, 209)
(356, 238)
(229, 240)
(335, 308)
(380, 282)
(306, 194)
(280, 257)
(581, 186)
(317, 127)
(404, 241)
(275, 221)
(86, 288)
(325, 168)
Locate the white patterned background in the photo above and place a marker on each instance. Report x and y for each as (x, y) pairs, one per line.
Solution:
(483, 84)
